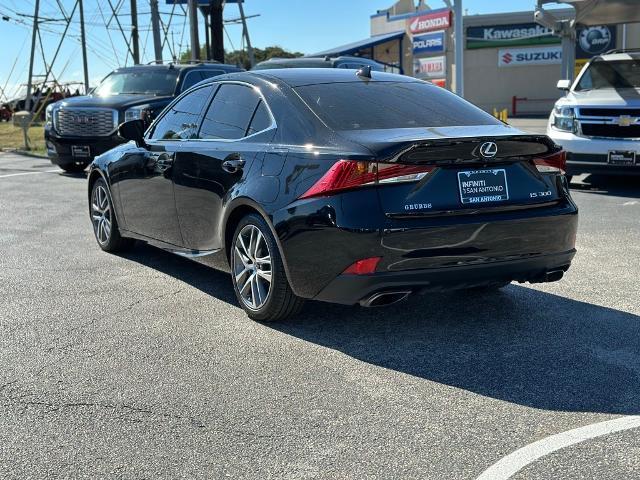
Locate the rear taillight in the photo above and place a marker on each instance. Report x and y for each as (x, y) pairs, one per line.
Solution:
(365, 266)
(349, 174)
(556, 162)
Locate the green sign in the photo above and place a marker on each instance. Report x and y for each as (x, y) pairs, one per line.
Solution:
(498, 36)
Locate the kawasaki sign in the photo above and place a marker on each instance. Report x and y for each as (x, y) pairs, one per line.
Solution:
(510, 36)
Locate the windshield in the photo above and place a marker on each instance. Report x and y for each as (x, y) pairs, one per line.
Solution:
(611, 74)
(374, 105)
(144, 82)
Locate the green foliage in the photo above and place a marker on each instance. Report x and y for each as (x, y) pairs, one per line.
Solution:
(241, 58)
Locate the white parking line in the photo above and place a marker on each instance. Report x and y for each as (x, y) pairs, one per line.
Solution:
(29, 173)
(517, 460)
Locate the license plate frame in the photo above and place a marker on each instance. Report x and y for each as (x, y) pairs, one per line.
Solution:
(481, 191)
(80, 151)
(628, 157)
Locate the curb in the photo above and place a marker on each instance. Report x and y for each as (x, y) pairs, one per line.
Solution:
(23, 153)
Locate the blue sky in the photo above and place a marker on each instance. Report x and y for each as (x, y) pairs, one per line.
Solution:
(301, 25)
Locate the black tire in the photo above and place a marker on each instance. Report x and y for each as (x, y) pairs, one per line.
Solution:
(102, 214)
(73, 167)
(569, 178)
(280, 302)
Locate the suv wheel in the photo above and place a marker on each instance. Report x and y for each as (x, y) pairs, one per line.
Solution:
(257, 272)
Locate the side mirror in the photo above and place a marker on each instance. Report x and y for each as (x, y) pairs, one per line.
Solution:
(563, 84)
(133, 130)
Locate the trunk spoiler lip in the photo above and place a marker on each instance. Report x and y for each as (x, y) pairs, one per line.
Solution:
(396, 153)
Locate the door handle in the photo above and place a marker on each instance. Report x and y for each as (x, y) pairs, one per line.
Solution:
(164, 161)
(233, 163)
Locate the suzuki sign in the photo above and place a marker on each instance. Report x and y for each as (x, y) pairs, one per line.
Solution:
(514, 57)
(430, 22)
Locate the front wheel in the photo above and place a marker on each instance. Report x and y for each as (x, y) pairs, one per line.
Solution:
(258, 275)
(103, 219)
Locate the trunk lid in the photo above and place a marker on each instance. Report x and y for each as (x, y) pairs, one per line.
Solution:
(465, 169)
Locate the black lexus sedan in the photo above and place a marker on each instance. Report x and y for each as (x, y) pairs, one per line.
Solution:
(345, 186)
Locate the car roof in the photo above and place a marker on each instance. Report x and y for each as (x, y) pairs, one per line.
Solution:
(180, 67)
(296, 77)
(620, 56)
(319, 61)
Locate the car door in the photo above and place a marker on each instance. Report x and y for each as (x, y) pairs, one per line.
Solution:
(146, 175)
(235, 127)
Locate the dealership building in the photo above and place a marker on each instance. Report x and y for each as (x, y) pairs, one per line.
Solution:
(509, 61)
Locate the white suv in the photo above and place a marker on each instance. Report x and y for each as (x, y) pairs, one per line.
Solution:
(598, 120)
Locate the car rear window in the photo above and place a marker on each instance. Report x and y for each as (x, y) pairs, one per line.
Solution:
(377, 105)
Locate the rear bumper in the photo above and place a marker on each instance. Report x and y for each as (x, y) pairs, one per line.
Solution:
(429, 252)
(351, 289)
(59, 148)
(578, 163)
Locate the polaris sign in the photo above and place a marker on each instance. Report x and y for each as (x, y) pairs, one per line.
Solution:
(515, 57)
(429, 43)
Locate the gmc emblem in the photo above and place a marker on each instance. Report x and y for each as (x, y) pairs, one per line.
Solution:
(83, 119)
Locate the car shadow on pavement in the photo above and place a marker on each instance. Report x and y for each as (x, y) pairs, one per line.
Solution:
(615, 185)
(519, 344)
(211, 281)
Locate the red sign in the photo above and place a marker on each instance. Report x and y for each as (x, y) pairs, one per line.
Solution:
(430, 21)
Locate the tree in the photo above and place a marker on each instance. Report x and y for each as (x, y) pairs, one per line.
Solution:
(241, 58)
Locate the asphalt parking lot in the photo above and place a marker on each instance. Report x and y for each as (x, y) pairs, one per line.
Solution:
(143, 365)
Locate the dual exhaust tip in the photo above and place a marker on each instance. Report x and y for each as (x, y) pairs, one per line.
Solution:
(382, 299)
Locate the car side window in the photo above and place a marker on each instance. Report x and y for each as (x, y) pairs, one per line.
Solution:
(182, 119)
(190, 79)
(195, 76)
(211, 73)
(230, 112)
(261, 119)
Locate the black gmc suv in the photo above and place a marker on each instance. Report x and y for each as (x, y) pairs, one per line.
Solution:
(80, 128)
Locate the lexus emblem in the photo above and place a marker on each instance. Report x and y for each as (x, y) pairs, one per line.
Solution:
(488, 149)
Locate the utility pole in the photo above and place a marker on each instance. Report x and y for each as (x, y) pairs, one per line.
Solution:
(217, 32)
(459, 55)
(27, 105)
(155, 27)
(193, 23)
(245, 32)
(134, 32)
(84, 49)
(207, 41)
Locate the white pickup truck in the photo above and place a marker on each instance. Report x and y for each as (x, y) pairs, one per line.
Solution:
(598, 120)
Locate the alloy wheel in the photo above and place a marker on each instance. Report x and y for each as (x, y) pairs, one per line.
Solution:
(252, 267)
(101, 214)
